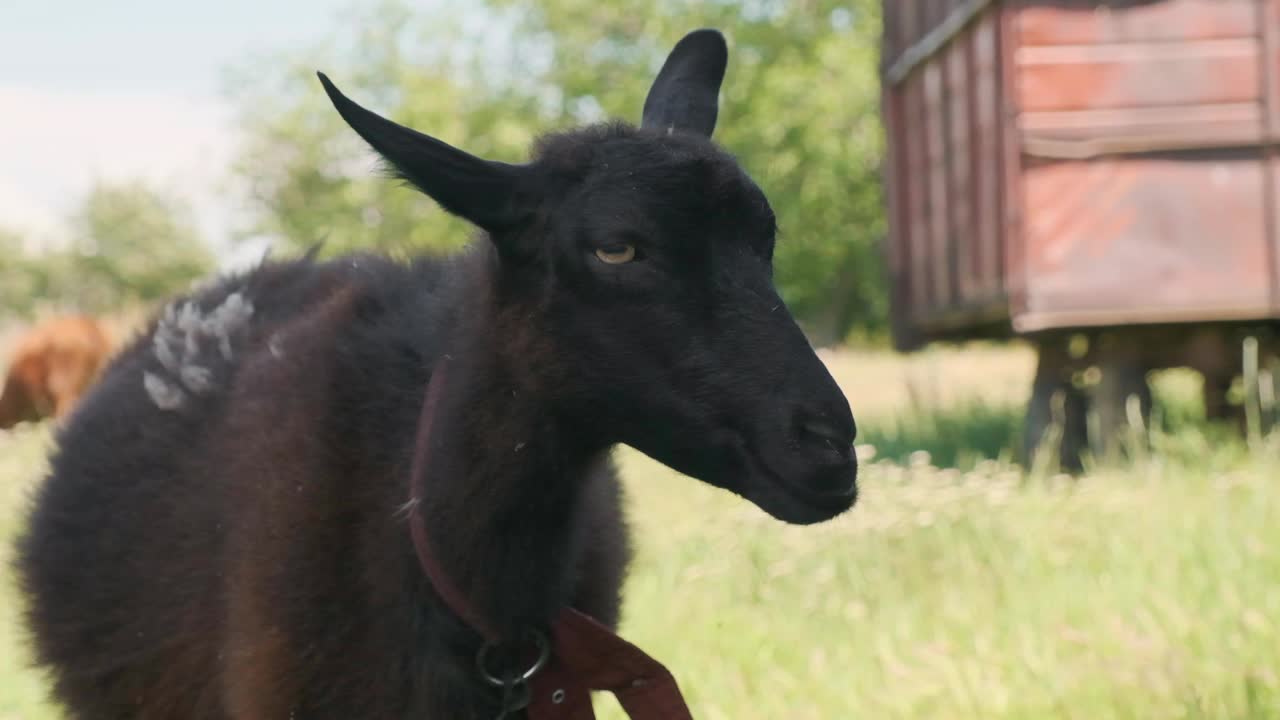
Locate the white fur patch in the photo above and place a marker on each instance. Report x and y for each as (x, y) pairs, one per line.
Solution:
(164, 395)
(274, 346)
(183, 342)
(404, 511)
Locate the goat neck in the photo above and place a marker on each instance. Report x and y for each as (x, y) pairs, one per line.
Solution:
(501, 488)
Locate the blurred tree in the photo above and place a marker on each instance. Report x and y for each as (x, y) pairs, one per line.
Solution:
(800, 109)
(14, 280)
(30, 280)
(15, 290)
(309, 177)
(130, 243)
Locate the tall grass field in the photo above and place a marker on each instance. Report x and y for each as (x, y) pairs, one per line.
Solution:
(960, 586)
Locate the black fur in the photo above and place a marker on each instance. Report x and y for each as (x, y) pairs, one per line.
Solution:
(245, 554)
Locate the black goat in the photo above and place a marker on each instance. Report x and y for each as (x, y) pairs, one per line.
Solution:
(223, 532)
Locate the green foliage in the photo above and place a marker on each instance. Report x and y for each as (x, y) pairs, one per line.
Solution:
(129, 243)
(799, 109)
(28, 278)
(313, 181)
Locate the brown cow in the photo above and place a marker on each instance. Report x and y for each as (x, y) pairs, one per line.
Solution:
(51, 366)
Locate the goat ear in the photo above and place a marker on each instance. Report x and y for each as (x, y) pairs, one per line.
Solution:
(492, 195)
(685, 95)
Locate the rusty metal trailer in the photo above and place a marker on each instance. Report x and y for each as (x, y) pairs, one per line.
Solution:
(1100, 177)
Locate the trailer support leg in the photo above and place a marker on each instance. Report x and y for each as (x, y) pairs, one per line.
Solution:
(1121, 400)
(1056, 430)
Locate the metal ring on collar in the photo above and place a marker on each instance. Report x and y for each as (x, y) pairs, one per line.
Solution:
(544, 653)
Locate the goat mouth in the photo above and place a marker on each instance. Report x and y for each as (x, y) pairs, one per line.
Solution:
(730, 462)
(791, 501)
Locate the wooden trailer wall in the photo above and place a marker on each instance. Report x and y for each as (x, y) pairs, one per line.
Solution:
(1079, 163)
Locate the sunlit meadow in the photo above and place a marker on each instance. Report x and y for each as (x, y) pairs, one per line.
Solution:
(1150, 590)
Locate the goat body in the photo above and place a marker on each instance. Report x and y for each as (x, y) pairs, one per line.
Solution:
(227, 583)
(223, 531)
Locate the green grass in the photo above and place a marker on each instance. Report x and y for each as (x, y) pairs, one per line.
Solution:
(1147, 591)
(21, 460)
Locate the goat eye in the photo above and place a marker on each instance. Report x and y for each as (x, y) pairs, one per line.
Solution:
(617, 254)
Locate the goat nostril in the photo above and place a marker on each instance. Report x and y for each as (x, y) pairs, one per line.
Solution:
(826, 433)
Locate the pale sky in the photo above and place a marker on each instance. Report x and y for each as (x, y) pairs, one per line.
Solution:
(129, 88)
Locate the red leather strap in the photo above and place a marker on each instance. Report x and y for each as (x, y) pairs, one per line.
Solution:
(585, 655)
(440, 580)
(588, 656)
